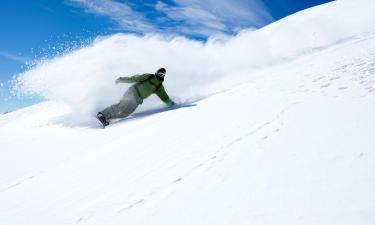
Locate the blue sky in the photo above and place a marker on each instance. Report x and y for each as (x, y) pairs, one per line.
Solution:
(31, 29)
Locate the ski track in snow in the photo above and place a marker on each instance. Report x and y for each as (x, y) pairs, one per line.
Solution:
(331, 80)
(293, 145)
(361, 68)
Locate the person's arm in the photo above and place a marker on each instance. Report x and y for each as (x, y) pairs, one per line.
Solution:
(134, 78)
(164, 96)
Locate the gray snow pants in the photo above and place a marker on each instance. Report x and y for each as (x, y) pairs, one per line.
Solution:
(128, 103)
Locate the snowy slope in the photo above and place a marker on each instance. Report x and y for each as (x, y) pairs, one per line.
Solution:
(294, 144)
(84, 78)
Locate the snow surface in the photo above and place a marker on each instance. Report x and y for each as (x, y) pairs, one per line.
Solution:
(291, 143)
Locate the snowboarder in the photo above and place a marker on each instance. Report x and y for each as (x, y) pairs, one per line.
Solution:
(145, 85)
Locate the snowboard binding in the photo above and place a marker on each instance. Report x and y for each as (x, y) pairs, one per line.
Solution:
(102, 119)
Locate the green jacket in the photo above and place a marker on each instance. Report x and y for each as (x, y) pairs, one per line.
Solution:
(147, 84)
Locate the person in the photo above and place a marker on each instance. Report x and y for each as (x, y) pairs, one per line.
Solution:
(145, 85)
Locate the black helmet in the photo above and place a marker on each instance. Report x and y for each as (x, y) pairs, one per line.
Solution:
(161, 70)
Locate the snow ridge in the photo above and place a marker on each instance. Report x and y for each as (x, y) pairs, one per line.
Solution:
(292, 145)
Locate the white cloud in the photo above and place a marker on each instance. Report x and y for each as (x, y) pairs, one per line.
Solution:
(121, 13)
(222, 16)
(192, 17)
(15, 57)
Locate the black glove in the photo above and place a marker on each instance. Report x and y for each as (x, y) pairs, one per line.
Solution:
(118, 80)
(171, 103)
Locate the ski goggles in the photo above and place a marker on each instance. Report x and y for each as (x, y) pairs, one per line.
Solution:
(160, 74)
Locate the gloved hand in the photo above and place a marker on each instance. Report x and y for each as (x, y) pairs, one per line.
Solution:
(118, 80)
(171, 103)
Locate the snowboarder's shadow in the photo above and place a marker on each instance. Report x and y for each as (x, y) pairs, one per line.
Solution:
(150, 112)
(72, 121)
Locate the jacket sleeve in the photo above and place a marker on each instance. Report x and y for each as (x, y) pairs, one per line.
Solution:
(134, 78)
(162, 94)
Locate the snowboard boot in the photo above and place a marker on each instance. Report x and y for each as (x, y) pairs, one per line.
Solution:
(102, 119)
